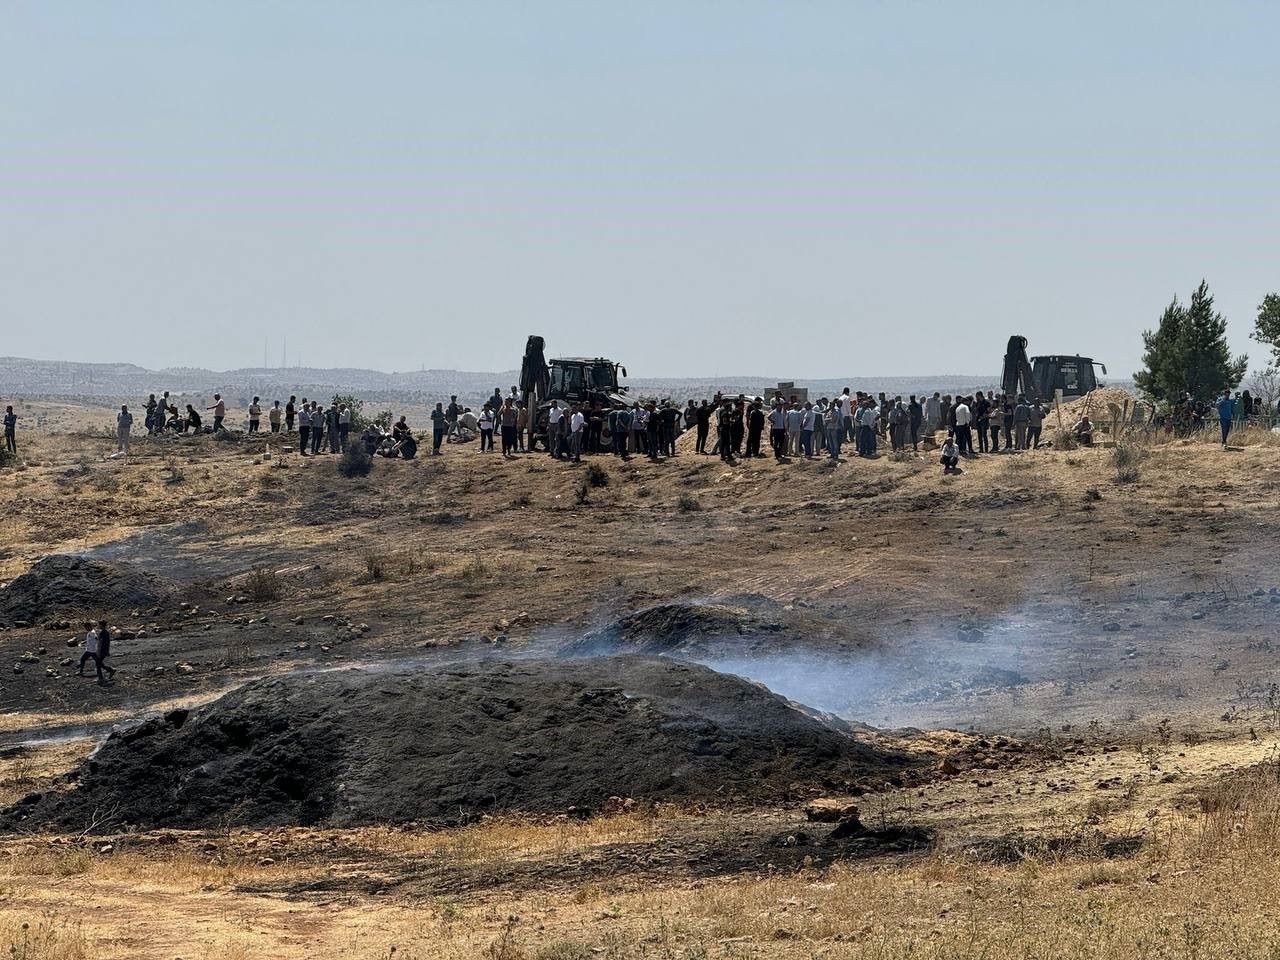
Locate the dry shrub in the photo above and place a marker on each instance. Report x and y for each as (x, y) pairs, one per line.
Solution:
(596, 475)
(263, 584)
(381, 564)
(44, 937)
(1240, 815)
(1126, 455)
(1064, 439)
(355, 461)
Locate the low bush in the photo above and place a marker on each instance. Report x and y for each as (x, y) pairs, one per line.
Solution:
(355, 461)
(597, 475)
(263, 584)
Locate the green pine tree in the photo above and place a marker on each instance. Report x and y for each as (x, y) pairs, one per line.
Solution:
(1266, 328)
(1188, 352)
(1162, 375)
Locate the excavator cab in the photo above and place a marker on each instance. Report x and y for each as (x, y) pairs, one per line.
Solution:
(1041, 377)
(1073, 375)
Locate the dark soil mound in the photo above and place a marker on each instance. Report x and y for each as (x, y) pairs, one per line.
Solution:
(63, 584)
(677, 627)
(362, 746)
(744, 624)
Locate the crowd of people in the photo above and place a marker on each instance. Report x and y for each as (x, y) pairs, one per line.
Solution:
(735, 428)
(731, 427)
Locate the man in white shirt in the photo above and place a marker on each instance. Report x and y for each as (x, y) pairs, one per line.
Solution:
(964, 435)
(807, 420)
(778, 430)
(553, 428)
(90, 650)
(846, 416)
(576, 423)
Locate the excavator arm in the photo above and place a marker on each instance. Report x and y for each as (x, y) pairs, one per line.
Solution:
(1016, 378)
(535, 379)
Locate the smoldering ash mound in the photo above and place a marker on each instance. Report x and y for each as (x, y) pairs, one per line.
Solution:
(64, 584)
(370, 746)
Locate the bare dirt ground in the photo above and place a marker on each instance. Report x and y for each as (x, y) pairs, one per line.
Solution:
(1084, 660)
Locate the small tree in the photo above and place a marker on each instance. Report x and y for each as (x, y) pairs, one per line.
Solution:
(1266, 328)
(356, 406)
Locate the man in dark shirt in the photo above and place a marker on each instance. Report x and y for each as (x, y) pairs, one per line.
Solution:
(755, 430)
(703, 422)
(439, 427)
(671, 417)
(982, 420)
(290, 413)
(724, 428)
(10, 430)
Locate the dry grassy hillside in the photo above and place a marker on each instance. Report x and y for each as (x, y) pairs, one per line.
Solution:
(1077, 645)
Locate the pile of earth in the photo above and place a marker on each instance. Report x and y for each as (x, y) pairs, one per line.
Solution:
(63, 584)
(743, 624)
(372, 746)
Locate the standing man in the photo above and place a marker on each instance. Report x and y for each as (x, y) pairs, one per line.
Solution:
(304, 427)
(486, 429)
(273, 416)
(619, 426)
(554, 416)
(10, 430)
(331, 424)
(161, 413)
(1034, 424)
(724, 431)
(653, 429)
(795, 417)
(932, 413)
(344, 426)
(835, 430)
(755, 429)
(982, 420)
(576, 424)
(964, 419)
(509, 418)
(219, 409)
(451, 415)
(915, 416)
(255, 415)
(1226, 411)
(807, 420)
(439, 427)
(290, 411)
(778, 430)
(703, 421)
(639, 428)
(671, 421)
(1021, 419)
(124, 424)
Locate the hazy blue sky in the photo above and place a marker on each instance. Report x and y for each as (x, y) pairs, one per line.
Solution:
(790, 189)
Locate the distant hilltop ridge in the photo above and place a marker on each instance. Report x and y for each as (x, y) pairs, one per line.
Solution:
(127, 382)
